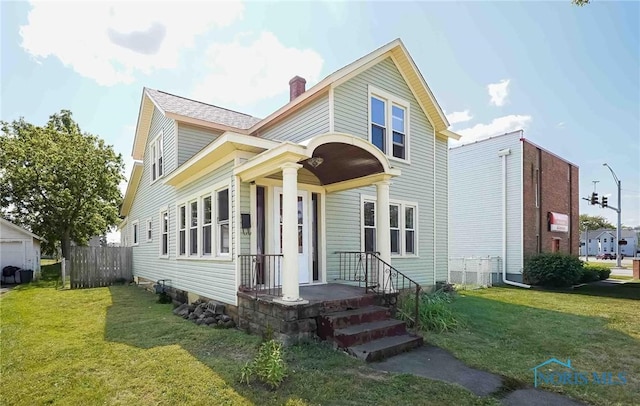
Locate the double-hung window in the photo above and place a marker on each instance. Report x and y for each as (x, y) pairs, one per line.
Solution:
(193, 228)
(182, 230)
(389, 117)
(157, 152)
(135, 232)
(402, 227)
(149, 230)
(164, 233)
(206, 225)
(223, 222)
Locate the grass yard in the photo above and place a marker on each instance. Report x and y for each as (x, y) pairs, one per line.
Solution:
(117, 346)
(510, 330)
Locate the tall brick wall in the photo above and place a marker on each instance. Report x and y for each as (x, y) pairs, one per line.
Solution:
(557, 184)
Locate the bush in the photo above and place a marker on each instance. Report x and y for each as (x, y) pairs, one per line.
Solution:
(589, 275)
(269, 366)
(434, 310)
(603, 271)
(556, 270)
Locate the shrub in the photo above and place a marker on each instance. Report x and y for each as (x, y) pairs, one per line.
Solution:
(603, 271)
(555, 269)
(589, 275)
(434, 310)
(268, 366)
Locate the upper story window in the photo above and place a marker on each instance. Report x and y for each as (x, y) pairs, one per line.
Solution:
(157, 152)
(389, 118)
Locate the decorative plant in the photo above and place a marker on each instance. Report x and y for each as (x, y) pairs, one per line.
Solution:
(269, 365)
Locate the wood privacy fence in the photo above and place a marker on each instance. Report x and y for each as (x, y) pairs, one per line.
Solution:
(92, 267)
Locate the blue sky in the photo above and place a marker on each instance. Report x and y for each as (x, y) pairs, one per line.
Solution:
(569, 76)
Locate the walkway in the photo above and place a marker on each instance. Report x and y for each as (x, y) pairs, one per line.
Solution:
(435, 363)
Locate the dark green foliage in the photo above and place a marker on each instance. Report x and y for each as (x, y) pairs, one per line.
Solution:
(164, 298)
(553, 269)
(603, 271)
(57, 181)
(269, 366)
(434, 310)
(589, 275)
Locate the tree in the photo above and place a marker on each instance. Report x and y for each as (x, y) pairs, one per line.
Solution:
(580, 2)
(594, 222)
(58, 181)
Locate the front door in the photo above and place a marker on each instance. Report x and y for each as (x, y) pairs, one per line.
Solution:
(304, 234)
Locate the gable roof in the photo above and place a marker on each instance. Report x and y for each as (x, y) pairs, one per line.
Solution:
(18, 228)
(597, 233)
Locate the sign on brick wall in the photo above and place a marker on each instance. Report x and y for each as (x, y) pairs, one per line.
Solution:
(558, 222)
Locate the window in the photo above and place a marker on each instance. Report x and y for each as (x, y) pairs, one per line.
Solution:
(157, 152)
(182, 230)
(402, 227)
(149, 230)
(164, 233)
(223, 221)
(389, 123)
(206, 225)
(605, 240)
(193, 228)
(134, 236)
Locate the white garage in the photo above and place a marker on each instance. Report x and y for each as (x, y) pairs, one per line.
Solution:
(19, 247)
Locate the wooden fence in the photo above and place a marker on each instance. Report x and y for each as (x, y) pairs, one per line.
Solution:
(91, 267)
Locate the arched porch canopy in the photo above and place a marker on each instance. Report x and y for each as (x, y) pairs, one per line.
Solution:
(339, 161)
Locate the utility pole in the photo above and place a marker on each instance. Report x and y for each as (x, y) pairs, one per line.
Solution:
(586, 244)
(619, 211)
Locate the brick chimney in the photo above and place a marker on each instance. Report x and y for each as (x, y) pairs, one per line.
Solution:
(296, 87)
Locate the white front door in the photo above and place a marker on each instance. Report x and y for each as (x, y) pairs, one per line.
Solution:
(304, 234)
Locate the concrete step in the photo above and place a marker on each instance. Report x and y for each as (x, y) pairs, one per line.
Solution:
(330, 322)
(331, 306)
(382, 348)
(365, 332)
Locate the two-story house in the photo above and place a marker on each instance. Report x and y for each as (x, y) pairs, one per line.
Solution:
(352, 170)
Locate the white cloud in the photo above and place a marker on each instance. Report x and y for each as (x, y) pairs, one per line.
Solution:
(111, 42)
(459, 117)
(560, 124)
(499, 92)
(243, 72)
(497, 126)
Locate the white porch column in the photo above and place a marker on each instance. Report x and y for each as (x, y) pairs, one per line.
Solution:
(383, 232)
(290, 285)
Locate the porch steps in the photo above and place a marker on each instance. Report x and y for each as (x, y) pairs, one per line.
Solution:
(368, 332)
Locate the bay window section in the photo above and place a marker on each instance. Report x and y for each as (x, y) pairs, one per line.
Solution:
(402, 227)
(182, 237)
(193, 228)
(206, 226)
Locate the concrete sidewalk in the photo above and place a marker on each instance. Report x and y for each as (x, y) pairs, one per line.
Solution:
(435, 363)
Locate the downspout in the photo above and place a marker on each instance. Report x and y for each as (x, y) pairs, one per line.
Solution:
(503, 153)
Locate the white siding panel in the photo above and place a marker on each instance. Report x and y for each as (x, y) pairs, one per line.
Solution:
(416, 184)
(310, 121)
(475, 200)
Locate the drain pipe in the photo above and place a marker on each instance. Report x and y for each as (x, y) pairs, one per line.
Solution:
(503, 153)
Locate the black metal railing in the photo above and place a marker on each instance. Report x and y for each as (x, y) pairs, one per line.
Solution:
(378, 276)
(261, 274)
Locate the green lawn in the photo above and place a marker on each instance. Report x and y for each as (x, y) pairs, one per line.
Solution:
(510, 330)
(117, 346)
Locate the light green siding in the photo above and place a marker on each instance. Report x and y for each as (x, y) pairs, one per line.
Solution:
(214, 279)
(416, 183)
(192, 139)
(311, 120)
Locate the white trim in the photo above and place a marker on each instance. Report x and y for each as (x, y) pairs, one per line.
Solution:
(161, 211)
(157, 139)
(390, 100)
(401, 213)
(322, 231)
(331, 109)
(135, 233)
(253, 213)
(176, 155)
(229, 223)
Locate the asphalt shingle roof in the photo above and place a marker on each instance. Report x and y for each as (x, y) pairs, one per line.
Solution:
(201, 111)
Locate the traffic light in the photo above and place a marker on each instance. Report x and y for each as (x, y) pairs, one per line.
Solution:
(604, 201)
(594, 198)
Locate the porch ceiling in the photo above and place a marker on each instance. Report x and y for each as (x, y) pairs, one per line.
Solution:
(342, 162)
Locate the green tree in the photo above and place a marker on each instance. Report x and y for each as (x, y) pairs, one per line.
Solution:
(58, 181)
(594, 222)
(580, 2)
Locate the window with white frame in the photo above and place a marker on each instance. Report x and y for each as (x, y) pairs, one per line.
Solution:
(200, 234)
(182, 230)
(389, 117)
(149, 230)
(164, 233)
(157, 152)
(402, 227)
(134, 232)
(223, 221)
(193, 228)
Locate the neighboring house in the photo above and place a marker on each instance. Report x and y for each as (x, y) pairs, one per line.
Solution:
(510, 198)
(211, 186)
(603, 241)
(19, 247)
